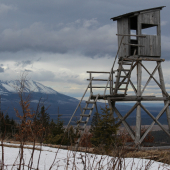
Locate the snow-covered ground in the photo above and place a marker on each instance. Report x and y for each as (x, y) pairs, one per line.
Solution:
(64, 159)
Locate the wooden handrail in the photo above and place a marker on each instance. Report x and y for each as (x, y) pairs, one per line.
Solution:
(98, 72)
(142, 36)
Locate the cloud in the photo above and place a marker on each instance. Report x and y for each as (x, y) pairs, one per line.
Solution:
(58, 41)
(24, 63)
(6, 8)
(1, 69)
(163, 23)
(84, 36)
(28, 70)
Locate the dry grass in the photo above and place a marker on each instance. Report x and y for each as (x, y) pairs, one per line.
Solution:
(157, 155)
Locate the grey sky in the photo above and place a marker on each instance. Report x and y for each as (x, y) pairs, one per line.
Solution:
(57, 41)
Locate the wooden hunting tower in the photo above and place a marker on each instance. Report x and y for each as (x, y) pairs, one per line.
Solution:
(134, 47)
(138, 21)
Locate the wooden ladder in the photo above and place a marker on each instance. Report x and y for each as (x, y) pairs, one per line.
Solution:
(123, 73)
(84, 117)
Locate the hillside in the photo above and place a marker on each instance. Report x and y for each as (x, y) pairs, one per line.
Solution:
(54, 100)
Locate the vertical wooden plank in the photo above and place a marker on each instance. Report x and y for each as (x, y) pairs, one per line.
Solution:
(139, 33)
(159, 34)
(138, 111)
(111, 82)
(123, 28)
(150, 17)
(152, 43)
(90, 84)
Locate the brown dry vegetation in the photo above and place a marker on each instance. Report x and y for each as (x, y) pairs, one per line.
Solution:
(157, 155)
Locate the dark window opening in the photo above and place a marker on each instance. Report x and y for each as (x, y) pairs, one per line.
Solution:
(149, 29)
(133, 23)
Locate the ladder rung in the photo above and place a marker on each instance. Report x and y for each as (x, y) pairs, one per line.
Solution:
(88, 108)
(134, 45)
(99, 79)
(82, 122)
(99, 87)
(90, 102)
(125, 70)
(85, 115)
(125, 63)
(122, 82)
(120, 89)
(123, 76)
(81, 128)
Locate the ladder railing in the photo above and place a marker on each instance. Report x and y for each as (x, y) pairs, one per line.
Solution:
(100, 72)
(123, 35)
(111, 71)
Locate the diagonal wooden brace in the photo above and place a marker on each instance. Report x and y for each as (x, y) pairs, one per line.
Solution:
(128, 128)
(163, 91)
(151, 76)
(128, 113)
(155, 121)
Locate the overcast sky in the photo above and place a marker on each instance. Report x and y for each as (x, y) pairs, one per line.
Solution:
(57, 41)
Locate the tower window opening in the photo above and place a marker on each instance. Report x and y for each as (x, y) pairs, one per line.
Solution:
(149, 29)
(133, 32)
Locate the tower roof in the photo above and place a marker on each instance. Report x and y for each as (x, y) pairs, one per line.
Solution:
(135, 12)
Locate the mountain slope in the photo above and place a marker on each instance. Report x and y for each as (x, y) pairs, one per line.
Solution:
(53, 100)
(30, 86)
(38, 93)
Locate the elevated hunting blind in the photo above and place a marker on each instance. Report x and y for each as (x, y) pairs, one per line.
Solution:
(139, 39)
(137, 23)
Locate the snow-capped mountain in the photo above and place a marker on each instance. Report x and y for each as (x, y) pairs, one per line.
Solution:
(12, 86)
(50, 98)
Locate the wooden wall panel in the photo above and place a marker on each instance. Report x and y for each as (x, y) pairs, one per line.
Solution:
(151, 46)
(123, 28)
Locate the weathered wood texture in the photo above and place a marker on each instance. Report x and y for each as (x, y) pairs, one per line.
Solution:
(151, 46)
(152, 43)
(161, 78)
(138, 110)
(148, 46)
(123, 28)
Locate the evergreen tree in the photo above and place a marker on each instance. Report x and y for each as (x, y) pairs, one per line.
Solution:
(104, 133)
(6, 125)
(95, 121)
(2, 123)
(43, 117)
(42, 120)
(56, 131)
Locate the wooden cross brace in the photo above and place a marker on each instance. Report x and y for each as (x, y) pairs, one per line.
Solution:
(129, 129)
(152, 77)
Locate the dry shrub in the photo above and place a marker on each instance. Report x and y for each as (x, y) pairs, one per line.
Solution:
(126, 138)
(85, 140)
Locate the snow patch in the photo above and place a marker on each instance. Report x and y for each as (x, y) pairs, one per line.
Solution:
(65, 160)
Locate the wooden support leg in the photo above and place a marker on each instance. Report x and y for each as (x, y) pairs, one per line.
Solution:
(163, 89)
(138, 112)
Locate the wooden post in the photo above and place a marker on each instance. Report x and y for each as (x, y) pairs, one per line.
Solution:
(90, 84)
(138, 111)
(161, 78)
(111, 84)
